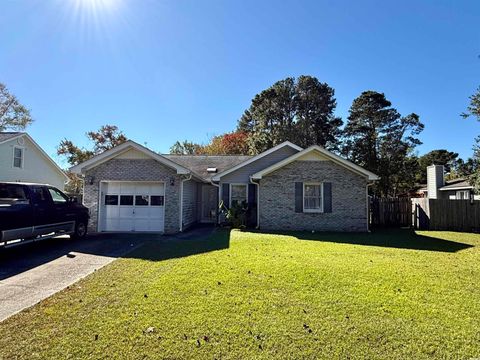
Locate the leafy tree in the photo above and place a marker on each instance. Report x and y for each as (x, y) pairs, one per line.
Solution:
(435, 157)
(234, 143)
(105, 138)
(473, 108)
(378, 138)
(186, 148)
(299, 110)
(463, 168)
(13, 115)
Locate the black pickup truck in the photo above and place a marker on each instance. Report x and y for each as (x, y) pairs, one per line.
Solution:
(29, 212)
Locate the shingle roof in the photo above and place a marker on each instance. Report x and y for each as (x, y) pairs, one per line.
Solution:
(4, 136)
(199, 163)
(457, 184)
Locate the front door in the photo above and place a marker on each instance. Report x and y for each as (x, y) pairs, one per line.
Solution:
(209, 203)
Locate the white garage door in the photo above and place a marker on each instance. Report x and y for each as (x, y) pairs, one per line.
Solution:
(133, 206)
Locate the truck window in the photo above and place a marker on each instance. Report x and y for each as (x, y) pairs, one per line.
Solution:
(40, 195)
(57, 196)
(11, 193)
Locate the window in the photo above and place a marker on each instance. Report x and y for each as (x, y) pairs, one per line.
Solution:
(312, 197)
(463, 195)
(238, 194)
(111, 199)
(57, 196)
(141, 200)
(156, 200)
(18, 157)
(40, 195)
(10, 193)
(126, 199)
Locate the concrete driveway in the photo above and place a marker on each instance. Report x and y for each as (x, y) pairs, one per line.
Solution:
(32, 272)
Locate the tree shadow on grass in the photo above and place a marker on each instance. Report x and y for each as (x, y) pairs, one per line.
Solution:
(182, 246)
(392, 238)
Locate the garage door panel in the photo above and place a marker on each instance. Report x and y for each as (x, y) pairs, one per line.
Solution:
(134, 211)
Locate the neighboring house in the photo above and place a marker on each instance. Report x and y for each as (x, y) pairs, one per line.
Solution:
(22, 159)
(131, 188)
(438, 188)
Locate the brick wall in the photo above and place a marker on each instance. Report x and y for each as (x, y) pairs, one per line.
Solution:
(277, 198)
(135, 170)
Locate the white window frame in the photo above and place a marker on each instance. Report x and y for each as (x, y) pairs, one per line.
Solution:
(230, 192)
(22, 158)
(466, 194)
(321, 194)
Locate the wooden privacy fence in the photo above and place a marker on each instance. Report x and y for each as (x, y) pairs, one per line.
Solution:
(444, 214)
(390, 212)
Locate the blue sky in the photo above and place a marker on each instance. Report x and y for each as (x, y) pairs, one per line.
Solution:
(168, 70)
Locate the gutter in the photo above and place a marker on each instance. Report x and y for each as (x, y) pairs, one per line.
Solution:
(258, 202)
(181, 200)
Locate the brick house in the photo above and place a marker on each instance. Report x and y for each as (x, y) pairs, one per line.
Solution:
(131, 188)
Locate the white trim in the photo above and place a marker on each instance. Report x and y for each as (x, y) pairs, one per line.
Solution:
(457, 188)
(22, 164)
(321, 195)
(335, 158)
(117, 150)
(230, 192)
(255, 158)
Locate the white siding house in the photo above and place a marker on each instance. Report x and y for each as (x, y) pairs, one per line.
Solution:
(22, 160)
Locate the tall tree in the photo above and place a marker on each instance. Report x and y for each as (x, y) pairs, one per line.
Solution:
(103, 139)
(378, 138)
(315, 106)
(298, 110)
(13, 115)
(435, 157)
(473, 109)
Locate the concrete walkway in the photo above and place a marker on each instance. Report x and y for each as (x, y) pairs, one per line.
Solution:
(32, 272)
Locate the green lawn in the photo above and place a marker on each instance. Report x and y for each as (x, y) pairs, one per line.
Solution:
(238, 295)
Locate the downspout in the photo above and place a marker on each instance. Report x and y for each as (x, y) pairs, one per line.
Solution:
(368, 207)
(258, 202)
(218, 200)
(181, 200)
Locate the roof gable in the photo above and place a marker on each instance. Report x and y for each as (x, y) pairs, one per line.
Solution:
(126, 150)
(10, 136)
(255, 158)
(322, 155)
(7, 136)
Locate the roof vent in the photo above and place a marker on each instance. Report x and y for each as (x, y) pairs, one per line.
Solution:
(211, 170)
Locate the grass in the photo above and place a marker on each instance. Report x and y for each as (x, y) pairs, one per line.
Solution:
(238, 295)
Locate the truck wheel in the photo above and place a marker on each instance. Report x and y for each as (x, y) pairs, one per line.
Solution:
(80, 230)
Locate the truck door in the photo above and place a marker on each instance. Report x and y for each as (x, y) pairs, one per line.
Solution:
(64, 213)
(44, 215)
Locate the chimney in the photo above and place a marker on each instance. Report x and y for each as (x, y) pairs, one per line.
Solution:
(435, 180)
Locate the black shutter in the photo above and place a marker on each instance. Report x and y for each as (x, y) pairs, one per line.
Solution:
(327, 197)
(252, 194)
(298, 197)
(226, 195)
